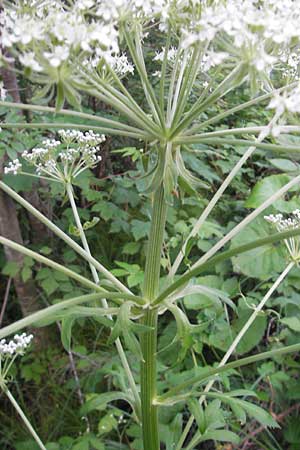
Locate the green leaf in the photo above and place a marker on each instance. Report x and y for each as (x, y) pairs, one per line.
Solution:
(99, 401)
(260, 262)
(197, 411)
(220, 435)
(174, 432)
(26, 273)
(66, 331)
(285, 165)
(11, 269)
(254, 334)
(264, 189)
(107, 424)
(131, 248)
(140, 229)
(292, 322)
(49, 285)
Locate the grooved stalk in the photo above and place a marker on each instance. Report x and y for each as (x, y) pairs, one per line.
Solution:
(149, 339)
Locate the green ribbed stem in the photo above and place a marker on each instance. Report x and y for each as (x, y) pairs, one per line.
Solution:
(149, 339)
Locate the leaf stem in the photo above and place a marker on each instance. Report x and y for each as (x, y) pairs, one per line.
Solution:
(74, 126)
(23, 417)
(94, 272)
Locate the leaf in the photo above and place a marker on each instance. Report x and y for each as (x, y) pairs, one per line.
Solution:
(220, 435)
(259, 414)
(198, 296)
(251, 409)
(66, 331)
(198, 413)
(292, 322)
(140, 229)
(127, 328)
(26, 273)
(49, 285)
(131, 248)
(264, 189)
(285, 165)
(174, 432)
(99, 401)
(253, 335)
(260, 262)
(11, 269)
(107, 424)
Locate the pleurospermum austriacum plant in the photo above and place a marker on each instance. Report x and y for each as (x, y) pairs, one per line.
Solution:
(207, 49)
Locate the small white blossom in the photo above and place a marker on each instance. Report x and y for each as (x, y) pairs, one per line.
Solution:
(13, 167)
(29, 60)
(15, 346)
(286, 224)
(65, 158)
(286, 102)
(58, 56)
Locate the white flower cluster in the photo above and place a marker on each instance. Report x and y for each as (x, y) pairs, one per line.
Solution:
(50, 33)
(65, 158)
(55, 32)
(251, 31)
(118, 63)
(15, 346)
(285, 224)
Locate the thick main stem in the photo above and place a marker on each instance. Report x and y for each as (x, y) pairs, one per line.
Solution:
(149, 339)
(104, 302)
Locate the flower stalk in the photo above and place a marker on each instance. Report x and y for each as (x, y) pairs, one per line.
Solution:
(94, 272)
(23, 417)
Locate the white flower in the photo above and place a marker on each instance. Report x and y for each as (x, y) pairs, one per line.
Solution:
(286, 102)
(286, 224)
(17, 345)
(28, 60)
(13, 167)
(59, 55)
